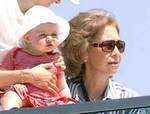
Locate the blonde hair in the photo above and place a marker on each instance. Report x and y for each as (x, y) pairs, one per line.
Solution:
(84, 29)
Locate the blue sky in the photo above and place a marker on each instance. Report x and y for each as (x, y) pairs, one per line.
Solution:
(133, 17)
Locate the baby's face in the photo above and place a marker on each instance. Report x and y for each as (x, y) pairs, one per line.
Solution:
(43, 38)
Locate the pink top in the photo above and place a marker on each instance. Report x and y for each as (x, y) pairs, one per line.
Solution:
(17, 58)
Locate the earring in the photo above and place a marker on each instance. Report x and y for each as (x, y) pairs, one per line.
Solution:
(85, 60)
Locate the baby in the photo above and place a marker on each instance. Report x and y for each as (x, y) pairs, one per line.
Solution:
(40, 35)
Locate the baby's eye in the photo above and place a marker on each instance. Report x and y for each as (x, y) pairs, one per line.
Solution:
(54, 35)
(43, 35)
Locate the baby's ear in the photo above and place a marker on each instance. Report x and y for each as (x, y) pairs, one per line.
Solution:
(25, 37)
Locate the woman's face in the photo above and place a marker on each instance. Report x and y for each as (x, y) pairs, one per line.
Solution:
(102, 61)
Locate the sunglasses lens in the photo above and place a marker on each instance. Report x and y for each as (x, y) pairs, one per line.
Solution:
(108, 46)
(121, 46)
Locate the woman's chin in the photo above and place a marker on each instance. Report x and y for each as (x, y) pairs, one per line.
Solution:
(113, 71)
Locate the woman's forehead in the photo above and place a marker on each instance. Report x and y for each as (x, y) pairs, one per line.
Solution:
(109, 33)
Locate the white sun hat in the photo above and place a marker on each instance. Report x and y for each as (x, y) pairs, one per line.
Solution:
(77, 2)
(38, 15)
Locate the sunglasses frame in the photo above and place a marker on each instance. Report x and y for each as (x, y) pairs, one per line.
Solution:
(119, 43)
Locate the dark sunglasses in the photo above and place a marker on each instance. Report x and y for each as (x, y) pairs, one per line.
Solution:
(109, 46)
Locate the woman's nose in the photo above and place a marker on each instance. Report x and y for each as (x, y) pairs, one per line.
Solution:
(116, 50)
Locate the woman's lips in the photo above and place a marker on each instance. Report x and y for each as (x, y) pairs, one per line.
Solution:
(114, 64)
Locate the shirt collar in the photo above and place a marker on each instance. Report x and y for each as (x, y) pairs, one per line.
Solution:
(110, 92)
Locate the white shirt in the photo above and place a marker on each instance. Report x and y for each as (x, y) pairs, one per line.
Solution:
(11, 18)
(114, 90)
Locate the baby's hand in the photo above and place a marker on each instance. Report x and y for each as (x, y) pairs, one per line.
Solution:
(21, 88)
(58, 61)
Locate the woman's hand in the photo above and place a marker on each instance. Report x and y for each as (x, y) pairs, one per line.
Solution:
(42, 78)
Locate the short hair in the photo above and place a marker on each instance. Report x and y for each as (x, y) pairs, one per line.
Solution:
(83, 30)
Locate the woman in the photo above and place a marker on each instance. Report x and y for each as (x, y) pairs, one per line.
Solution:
(92, 54)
